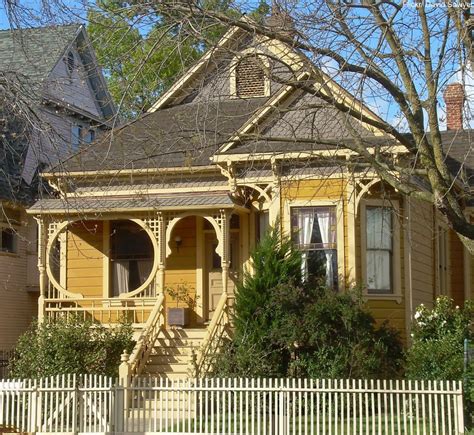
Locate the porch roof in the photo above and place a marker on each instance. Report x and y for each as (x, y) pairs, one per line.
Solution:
(143, 203)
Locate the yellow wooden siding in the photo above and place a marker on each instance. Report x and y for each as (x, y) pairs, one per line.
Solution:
(18, 306)
(84, 258)
(181, 265)
(422, 244)
(456, 269)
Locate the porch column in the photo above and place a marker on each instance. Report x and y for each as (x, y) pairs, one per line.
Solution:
(225, 228)
(41, 268)
(161, 240)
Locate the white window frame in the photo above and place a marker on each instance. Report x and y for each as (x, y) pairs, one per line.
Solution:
(396, 291)
(233, 67)
(338, 204)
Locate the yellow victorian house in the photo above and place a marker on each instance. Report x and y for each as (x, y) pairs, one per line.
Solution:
(155, 222)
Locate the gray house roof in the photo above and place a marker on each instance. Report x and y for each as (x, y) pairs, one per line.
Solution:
(34, 52)
(185, 135)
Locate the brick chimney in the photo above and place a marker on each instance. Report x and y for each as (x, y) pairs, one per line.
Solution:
(454, 98)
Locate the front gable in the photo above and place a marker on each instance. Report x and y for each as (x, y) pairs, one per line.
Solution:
(76, 81)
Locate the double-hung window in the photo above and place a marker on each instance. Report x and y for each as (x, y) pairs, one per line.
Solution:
(314, 233)
(379, 249)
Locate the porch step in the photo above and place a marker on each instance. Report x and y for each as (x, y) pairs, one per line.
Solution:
(173, 351)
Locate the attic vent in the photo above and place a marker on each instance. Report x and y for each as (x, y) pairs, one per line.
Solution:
(70, 62)
(250, 79)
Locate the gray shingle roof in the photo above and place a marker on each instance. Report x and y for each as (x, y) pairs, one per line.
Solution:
(145, 203)
(34, 52)
(184, 135)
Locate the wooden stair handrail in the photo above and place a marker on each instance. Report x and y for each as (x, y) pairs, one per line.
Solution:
(148, 336)
(217, 318)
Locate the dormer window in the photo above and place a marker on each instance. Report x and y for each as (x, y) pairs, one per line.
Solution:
(70, 62)
(248, 77)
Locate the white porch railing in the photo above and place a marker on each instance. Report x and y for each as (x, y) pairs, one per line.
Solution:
(146, 341)
(92, 404)
(217, 331)
(104, 310)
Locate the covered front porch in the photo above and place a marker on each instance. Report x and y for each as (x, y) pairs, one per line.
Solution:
(112, 266)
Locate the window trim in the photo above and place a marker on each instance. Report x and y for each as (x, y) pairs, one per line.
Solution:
(233, 77)
(339, 228)
(396, 293)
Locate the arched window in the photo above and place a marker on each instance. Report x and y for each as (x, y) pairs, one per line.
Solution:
(249, 78)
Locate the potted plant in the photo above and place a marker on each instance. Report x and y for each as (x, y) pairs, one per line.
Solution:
(179, 315)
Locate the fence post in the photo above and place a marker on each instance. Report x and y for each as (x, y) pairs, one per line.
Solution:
(122, 392)
(460, 408)
(33, 408)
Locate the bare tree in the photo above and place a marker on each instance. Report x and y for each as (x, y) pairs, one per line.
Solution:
(397, 57)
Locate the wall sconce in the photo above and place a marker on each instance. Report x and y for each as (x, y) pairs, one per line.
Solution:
(178, 241)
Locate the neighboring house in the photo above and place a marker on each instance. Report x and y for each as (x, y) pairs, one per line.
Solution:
(180, 196)
(60, 101)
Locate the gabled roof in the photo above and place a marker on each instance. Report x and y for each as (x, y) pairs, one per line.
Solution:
(34, 52)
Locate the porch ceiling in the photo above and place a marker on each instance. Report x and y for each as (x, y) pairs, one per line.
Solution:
(144, 203)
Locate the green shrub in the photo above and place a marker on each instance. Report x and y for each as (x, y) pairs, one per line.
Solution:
(73, 346)
(274, 262)
(437, 349)
(287, 328)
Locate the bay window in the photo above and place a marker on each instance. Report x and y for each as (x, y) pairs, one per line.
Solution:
(314, 233)
(379, 249)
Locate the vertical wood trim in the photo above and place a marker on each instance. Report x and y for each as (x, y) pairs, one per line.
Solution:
(351, 234)
(200, 263)
(467, 273)
(63, 258)
(244, 243)
(408, 268)
(106, 288)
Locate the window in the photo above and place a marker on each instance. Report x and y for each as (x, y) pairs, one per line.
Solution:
(76, 136)
(89, 136)
(131, 256)
(262, 224)
(379, 249)
(81, 135)
(314, 232)
(7, 240)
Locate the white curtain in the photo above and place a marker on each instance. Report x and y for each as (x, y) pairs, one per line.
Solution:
(120, 276)
(327, 236)
(305, 223)
(379, 246)
(144, 269)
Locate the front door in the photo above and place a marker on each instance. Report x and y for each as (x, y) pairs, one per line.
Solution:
(214, 271)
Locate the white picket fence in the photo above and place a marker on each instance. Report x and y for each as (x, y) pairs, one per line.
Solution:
(93, 404)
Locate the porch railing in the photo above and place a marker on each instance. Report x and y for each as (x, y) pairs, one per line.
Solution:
(147, 339)
(104, 310)
(147, 292)
(218, 330)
